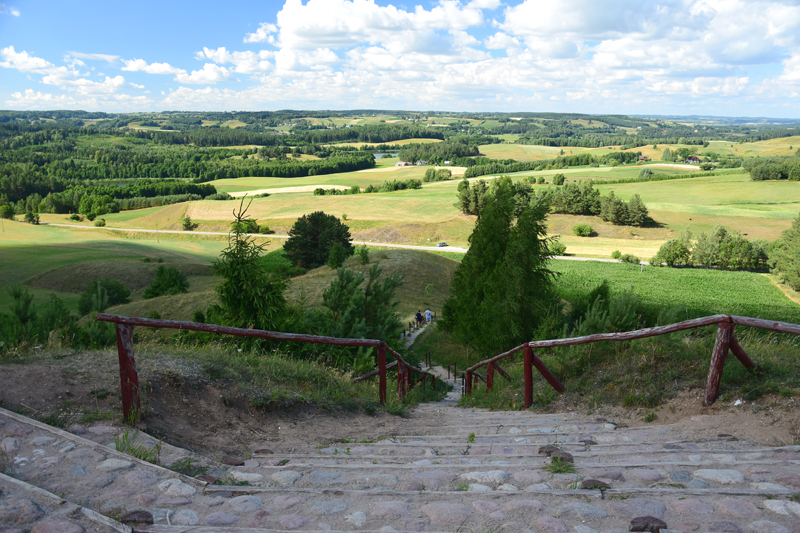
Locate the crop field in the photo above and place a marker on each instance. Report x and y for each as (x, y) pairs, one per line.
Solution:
(758, 209)
(702, 292)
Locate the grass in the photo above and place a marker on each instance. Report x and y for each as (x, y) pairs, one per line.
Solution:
(625, 373)
(420, 269)
(559, 466)
(126, 443)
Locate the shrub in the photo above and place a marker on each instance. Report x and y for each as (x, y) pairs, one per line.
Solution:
(154, 315)
(706, 166)
(645, 173)
(76, 217)
(558, 179)
(336, 256)
(102, 294)
(100, 222)
(557, 248)
(248, 225)
(187, 224)
(264, 230)
(583, 230)
(169, 280)
(616, 254)
(629, 258)
(91, 216)
(540, 180)
(363, 255)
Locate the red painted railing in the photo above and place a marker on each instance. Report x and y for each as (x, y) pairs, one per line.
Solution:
(129, 377)
(726, 341)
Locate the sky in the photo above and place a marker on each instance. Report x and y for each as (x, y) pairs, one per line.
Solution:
(681, 57)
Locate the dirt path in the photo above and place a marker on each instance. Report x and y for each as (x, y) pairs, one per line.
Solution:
(789, 294)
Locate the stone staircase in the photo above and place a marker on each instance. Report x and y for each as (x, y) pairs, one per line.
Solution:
(463, 470)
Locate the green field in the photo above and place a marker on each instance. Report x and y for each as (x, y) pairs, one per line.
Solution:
(702, 292)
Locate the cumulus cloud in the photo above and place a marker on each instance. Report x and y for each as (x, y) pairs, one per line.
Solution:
(263, 34)
(600, 56)
(140, 65)
(210, 73)
(244, 62)
(24, 62)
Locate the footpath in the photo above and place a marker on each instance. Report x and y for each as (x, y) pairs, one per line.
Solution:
(467, 470)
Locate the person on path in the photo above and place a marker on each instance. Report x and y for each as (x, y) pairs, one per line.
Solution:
(428, 315)
(419, 317)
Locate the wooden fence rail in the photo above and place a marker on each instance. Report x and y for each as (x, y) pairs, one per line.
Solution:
(726, 341)
(129, 377)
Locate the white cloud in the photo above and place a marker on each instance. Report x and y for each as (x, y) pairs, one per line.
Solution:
(24, 62)
(30, 99)
(111, 59)
(244, 62)
(8, 10)
(501, 40)
(140, 65)
(210, 73)
(262, 34)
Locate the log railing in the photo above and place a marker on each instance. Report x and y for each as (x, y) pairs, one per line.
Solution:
(726, 341)
(129, 377)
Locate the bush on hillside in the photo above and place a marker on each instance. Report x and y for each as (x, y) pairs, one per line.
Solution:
(583, 230)
(169, 280)
(558, 179)
(102, 294)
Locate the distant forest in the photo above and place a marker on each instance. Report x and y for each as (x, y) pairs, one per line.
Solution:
(79, 162)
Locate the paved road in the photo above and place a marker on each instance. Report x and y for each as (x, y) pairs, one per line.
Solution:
(455, 249)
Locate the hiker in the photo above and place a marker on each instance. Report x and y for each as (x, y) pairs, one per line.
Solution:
(428, 315)
(419, 318)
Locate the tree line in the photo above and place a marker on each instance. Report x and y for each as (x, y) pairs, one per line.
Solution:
(575, 198)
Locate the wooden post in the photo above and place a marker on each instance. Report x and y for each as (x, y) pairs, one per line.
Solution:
(401, 380)
(527, 371)
(549, 376)
(741, 355)
(468, 382)
(489, 377)
(409, 379)
(128, 377)
(382, 373)
(724, 334)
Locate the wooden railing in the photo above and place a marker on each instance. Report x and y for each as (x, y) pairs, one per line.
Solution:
(129, 377)
(726, 341)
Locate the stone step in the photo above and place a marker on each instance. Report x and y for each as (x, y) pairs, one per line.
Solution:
(481, 511)
(27, 506)
(474, 496)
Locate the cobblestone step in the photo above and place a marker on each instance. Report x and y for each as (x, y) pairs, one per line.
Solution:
(709, 485)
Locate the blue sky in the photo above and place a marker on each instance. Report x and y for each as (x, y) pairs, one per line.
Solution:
(710, 57)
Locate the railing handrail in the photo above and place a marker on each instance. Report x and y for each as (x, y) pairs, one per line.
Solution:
(725, 341)
(129, 377)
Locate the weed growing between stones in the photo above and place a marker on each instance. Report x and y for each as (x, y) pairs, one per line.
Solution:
(560, 466)
(187, 467)
(126, 443)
